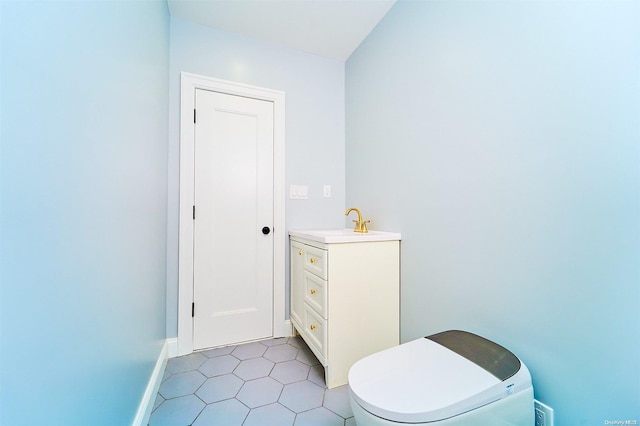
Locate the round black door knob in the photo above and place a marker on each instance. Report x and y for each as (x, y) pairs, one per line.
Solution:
(266, 230)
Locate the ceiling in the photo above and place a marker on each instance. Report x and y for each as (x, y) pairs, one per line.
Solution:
(329, 28)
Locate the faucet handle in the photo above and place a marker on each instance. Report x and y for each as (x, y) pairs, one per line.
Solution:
(364, 226)
(356, 228)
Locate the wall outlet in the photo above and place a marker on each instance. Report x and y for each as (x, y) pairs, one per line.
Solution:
(327, 191)
(543, 414)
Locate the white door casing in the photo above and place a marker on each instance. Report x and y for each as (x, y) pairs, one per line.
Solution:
(233, 256)
(189, 84)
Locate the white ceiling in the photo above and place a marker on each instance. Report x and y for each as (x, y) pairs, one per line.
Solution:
(329, 28)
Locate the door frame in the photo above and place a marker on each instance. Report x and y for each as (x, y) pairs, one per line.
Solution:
(188, 85)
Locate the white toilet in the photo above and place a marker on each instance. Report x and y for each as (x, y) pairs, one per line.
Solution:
(449, 378)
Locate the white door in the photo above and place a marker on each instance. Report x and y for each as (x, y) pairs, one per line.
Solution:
(233, 242)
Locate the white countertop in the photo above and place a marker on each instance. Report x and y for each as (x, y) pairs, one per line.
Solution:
(328, 236)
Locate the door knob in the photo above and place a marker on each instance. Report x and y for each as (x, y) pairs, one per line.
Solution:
(266, 230)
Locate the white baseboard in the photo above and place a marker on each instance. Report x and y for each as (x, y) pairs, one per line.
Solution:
(172, 346)
(288, 327)
(146, 404)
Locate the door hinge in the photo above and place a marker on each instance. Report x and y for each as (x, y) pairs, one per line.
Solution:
(194, 212)
(194, 115)
(193, 310)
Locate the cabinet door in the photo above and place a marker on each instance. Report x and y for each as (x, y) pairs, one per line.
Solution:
(297, 283)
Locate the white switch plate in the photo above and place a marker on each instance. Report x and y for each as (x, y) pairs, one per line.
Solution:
(327, 191)
(298, 192)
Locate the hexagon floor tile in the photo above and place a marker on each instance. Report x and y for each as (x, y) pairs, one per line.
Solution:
(281, 353)
(271, 382)
(218, 366)
(185, 363)
(228, 412)
(249, 350)
(302, 396)
(181, 384)
(319, 416)
(259, 392)
(177, 411)
(290, 372)
(253, 369)
(219, 388)
(337, 400)
(270, 415)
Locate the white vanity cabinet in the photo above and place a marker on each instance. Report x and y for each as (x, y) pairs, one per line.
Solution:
(345, 297)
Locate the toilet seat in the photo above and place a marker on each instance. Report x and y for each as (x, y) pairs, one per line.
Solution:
(423, 381)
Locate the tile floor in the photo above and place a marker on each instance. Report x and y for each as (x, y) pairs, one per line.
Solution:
(273, 382)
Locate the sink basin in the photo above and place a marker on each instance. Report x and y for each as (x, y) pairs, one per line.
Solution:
(344, 235)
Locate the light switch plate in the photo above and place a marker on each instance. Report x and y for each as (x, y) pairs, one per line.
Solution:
(298, 192)
(327, 191)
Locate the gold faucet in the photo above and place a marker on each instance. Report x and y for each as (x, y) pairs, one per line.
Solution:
(361, 226)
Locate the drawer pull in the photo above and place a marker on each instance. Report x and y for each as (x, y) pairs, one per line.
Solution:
(312, 291)
(312, 260)
(312, 327)
(300, 252)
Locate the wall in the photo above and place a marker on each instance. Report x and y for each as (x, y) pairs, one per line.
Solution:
(84, 95)
(502, 140)
(314, 126)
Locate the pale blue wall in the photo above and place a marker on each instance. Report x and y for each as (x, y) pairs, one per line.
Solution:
(503, 140)
(84, 97)
(314, 146)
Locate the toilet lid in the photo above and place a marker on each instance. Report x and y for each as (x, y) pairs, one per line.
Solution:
(424, 381)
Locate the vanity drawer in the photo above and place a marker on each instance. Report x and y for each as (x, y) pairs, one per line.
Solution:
(315, 327)
(315, 261)
(315, 293)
